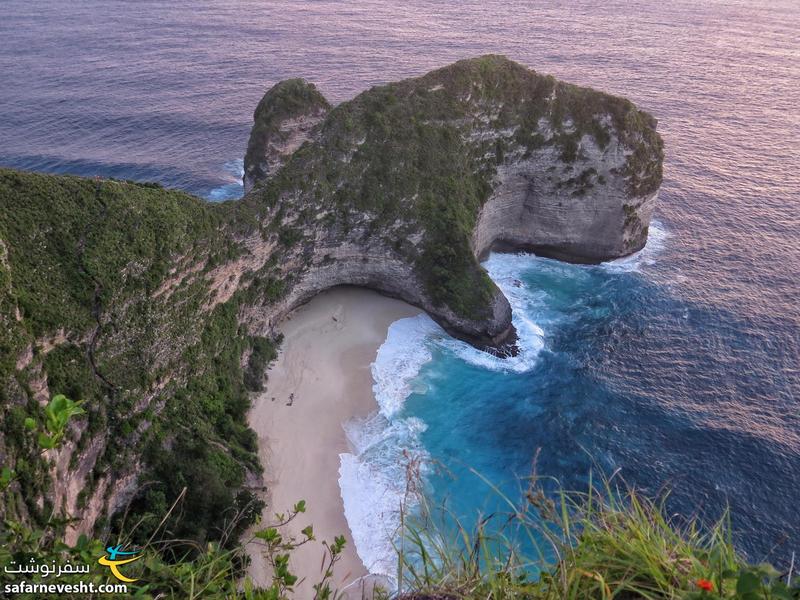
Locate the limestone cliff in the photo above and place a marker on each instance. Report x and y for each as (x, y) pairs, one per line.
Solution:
(157, 309)
(405, 187)
(283, 121)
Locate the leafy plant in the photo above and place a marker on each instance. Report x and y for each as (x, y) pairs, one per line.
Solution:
(277, 551)
(748, 582)
(58, 413)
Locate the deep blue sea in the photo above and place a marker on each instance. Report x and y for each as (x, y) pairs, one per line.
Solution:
(680, 367)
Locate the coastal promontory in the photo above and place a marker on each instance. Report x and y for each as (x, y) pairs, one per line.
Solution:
(158, 310)
(406, 187)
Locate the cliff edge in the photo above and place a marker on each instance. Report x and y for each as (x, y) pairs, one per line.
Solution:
(404, 188)
(157, 310)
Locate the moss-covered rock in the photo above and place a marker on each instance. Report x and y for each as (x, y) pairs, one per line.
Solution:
(426, 175)
(281, 123)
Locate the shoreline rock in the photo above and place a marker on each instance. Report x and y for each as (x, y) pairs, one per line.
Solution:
(406, 187)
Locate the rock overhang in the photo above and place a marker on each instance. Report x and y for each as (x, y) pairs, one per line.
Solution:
(435, 171)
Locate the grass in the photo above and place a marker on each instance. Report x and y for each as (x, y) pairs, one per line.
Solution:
(607, 542)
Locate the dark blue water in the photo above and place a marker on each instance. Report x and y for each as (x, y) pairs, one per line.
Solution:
(682, 371)
(630, 376)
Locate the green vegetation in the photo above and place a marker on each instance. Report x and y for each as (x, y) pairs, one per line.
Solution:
(607, 542)
(47, 436)
(262, 353)
(207, 572)
(289, 98)
(57, 414)
(278, 548)
(73, 242)
(195, 570)
(211, 448)
(95, 296)
(643, 168)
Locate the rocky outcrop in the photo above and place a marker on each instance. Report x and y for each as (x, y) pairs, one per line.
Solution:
(153, 307)
(406, 187)
(338, 261)
(581, 211)
(283, 120)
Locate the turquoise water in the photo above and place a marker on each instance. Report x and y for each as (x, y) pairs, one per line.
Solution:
(618, 374)
(681, 367)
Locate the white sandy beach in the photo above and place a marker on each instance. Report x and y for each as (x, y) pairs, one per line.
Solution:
(325, 362)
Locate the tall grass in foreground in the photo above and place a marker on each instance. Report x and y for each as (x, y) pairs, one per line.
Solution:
(607, 542)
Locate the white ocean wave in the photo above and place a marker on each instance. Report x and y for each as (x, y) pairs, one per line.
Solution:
(373, 478)
(399, 360)
(505, 270)
(234, 188)
(656, 240)
(374, 485)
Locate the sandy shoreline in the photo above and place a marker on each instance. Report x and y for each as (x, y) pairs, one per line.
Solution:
(324, 362)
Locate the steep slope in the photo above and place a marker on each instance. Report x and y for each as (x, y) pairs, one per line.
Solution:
(158, 310)
(403, 188)
(107, 298)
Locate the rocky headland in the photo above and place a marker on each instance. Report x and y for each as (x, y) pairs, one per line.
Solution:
(158, 310)
(404, 188)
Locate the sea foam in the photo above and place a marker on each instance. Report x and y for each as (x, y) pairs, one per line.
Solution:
(234, 188)
(399, 360)
(373, 483)
(373, 478)
(656, 240)
(505, 270)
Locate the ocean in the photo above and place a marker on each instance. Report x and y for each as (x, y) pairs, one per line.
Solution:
(679, 367)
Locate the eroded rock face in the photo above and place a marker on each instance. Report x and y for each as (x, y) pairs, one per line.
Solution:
(580, 211)
(404, 188)
(338, 261)
(284, 119)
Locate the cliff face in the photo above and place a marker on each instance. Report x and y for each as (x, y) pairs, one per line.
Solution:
(405, 187)
(107, 296)
(157, 309)
(283, 120)
(580, 211)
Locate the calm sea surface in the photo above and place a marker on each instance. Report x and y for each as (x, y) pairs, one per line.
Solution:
(680, 367)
